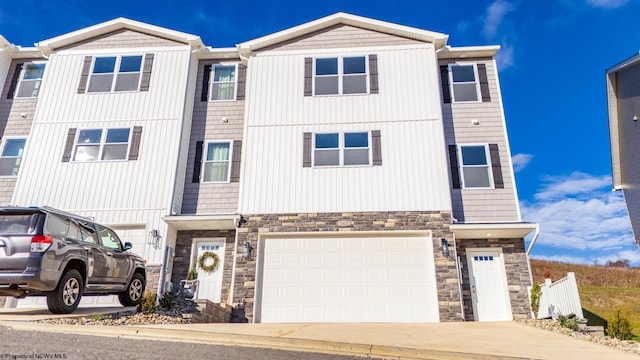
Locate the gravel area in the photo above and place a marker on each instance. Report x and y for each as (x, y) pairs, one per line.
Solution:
(553, 325)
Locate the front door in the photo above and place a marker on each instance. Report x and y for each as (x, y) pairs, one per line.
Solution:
(210, 281)
(488, 283)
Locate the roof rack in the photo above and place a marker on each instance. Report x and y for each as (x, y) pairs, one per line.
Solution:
(64, 213)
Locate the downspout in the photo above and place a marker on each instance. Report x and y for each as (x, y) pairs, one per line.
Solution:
(233, 267)
(459, 271)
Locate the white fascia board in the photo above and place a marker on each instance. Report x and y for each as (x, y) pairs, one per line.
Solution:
(438, 39)
(493, 230)
(116, 24)
(218, 53)
(624, 63)
(463, 52)
(614, 133)
(203, 222)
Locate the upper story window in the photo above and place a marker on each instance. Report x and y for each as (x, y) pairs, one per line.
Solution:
(30, 80)
(223, 84)
(11, 156)
(115, 73)
(342, 149)
(102, 144)
(464, 83)
(217, 161)
(475, 166)
(340, 75)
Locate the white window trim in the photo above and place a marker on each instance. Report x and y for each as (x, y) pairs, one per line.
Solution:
(103, 139)
(489, 167)
(212, 77)
(116, 71)
(3, 143)
(341, 148)
(477, 82)
(21, 79)
(204, 160)
(341, 75)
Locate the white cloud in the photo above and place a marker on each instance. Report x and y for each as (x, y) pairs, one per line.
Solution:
(504, 57)
(607, 4)
(581, 221)
(494, 17)
(520, 161)
(574, 184)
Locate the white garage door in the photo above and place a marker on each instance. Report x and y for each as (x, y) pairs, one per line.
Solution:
(347, 279)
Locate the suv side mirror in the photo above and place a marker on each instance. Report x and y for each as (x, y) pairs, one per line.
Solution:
(127, 246)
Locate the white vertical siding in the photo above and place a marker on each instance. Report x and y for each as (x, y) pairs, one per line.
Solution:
(413, 175)
(5, 60)
(120, 192)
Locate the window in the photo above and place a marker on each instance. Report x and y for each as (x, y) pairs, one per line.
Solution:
(30, 80)
(223, 85)
(115, 73)
(217, 162)
(102, 144)
(11, 156)
(341, 75)
(345, 149)
(464, 83)
(108, 238)
(475, 166)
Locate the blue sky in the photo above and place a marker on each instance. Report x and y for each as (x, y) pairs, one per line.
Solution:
(552, 63)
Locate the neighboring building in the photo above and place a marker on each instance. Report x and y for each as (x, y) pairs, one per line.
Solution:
(623, 93)
(343, 170)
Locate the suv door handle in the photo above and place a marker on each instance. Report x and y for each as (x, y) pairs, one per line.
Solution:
(86, 248)
(109, 254)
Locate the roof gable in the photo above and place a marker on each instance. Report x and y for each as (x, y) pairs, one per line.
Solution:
(438, 39)
(49, 45)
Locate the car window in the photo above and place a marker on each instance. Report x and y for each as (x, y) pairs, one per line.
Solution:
(108, 238)
(56, 226)
(74, 231)
(88, 233)
(18, 224)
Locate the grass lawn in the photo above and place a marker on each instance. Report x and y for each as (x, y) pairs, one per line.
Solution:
(603, 301)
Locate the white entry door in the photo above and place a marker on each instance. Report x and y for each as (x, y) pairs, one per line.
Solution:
(488, 283)
(210, 283)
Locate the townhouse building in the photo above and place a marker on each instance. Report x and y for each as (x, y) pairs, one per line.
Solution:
(343, 170)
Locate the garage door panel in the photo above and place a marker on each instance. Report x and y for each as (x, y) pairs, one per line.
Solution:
(346, 279)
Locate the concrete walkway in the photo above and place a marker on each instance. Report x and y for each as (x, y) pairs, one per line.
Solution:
(472, 340)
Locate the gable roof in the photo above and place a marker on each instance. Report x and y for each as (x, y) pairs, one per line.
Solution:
(46, 46)
(438, 39)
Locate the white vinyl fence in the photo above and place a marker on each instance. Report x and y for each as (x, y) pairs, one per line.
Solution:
(560, 298)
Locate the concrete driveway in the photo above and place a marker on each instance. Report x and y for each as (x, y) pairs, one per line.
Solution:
(472, 340)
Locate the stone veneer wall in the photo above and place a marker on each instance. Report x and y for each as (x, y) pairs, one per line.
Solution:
(153, 277)
(182, 261)
(2, 301)
(435, 221)
(517, 269)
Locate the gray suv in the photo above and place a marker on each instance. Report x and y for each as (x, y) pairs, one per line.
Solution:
(45, 251)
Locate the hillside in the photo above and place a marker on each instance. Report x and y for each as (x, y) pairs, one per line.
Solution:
(602, 289)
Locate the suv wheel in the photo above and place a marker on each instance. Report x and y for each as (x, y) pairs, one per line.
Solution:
(66, 297)
(133, 295)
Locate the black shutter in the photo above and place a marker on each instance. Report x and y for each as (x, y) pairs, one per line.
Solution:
(14, 81)
(197, 162)
(376, 148)
(373, 74)
(498, 181)
(205, 83)
(134, 148)
(68, 146)
(242, 81)
(308, 76)
(146, 72)
(484, 83)
(84, 76)
(235, 161)
(453, 163)
(306, 150)
(444, 81)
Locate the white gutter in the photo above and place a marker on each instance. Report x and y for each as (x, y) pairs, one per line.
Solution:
(535, 237)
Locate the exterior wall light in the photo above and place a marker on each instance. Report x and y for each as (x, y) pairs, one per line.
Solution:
(247, 249)
(445, 247)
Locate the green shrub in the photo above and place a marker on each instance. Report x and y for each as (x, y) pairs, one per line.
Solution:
(192, 274)
(148, 303)
(536, 294)
(569, 321)
(98, 317)
(168, 301)
(620, 326)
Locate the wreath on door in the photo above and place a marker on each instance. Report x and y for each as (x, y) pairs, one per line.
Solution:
(208, 261)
